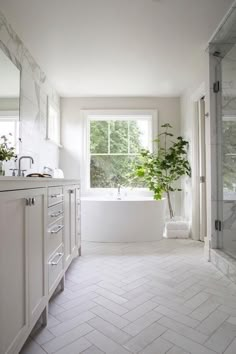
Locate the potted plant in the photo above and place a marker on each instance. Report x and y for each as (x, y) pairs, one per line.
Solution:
(161, 170)
(7, 152)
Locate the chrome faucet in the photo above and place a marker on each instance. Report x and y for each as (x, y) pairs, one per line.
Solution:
(21, 172)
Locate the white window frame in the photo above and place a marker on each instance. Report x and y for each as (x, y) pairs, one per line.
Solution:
(114, 114)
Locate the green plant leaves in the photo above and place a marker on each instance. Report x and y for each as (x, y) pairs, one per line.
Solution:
(7, 152)
(161, 170)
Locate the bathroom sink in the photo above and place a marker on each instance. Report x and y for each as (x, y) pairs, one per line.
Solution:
(39, 175)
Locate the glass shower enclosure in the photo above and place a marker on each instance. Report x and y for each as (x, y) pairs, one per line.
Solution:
(228, 150)
(223, 49)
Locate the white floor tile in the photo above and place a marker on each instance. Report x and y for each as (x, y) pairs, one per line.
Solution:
(105, 344)
(146, 337)
(76, 347)
(183, 330)
(186, 320)
(158, 346)
(110, 305)
(158, 297)
(142, 322)
(59, 342)
(212, 322)
(66, 326)
(109, 316)
(119, 336)
(140, 310)
(185, 343)
(231, 348)
(220, 340)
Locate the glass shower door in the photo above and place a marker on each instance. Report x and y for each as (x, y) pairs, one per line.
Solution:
(228, 151)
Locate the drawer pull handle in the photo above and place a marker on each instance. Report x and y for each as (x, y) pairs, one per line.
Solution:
(55, 215)
(58, 260)
(57, 229)
(56, 195)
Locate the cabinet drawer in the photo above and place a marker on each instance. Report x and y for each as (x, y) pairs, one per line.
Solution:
(55, 212)
(55, 195)
(55, 267)
(55, 236)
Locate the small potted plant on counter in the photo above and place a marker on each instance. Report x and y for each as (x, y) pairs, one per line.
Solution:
(161, 170)
(7, 152)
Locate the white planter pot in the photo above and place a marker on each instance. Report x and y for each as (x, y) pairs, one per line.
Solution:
(176, 228)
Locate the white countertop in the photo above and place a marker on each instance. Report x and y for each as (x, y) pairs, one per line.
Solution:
(16, 183)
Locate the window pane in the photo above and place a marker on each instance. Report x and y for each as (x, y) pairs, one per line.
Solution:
(109, 171)
(8, 127)
(119, 137)
(138, 135)
(99, 137)
(229, 155)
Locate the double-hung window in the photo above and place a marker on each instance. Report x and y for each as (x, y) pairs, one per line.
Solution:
(114, 140)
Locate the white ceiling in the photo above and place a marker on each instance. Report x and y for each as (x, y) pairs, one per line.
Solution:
(117, 47)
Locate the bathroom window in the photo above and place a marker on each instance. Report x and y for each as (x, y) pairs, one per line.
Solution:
(53, 123)
(114, 140)
(9, 126)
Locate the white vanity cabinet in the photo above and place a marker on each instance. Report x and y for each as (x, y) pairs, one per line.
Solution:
(22, 265)
(38, 241)
(71, 243)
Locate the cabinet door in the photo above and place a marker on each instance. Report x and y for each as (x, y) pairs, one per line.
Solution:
(78, 219)
(13, 270)
(73, 220)
(67, 226)
(70, 224)
(36, 227)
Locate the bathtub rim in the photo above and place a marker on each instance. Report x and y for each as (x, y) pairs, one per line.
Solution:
(123, 199)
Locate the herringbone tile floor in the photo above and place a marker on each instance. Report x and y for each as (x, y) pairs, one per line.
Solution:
(148, 298)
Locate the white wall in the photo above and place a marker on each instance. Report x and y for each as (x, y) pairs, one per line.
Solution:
(72, 124)
(33, 99)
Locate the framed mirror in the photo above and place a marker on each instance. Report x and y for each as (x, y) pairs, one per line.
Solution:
(9, 99)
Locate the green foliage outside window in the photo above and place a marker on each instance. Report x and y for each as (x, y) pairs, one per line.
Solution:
(114, 145)
(7, 151)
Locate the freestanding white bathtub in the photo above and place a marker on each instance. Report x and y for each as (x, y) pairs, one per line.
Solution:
(126, 220)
